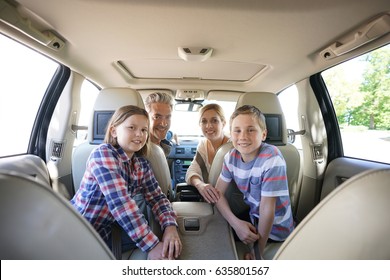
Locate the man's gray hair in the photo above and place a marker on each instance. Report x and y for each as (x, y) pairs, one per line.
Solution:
(158, 97)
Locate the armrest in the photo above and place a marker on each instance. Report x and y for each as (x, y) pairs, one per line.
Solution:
(186, 192)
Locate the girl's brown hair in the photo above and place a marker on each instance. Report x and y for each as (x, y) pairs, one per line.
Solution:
(119, 116)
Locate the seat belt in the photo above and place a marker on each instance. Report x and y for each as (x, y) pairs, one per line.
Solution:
(116, 241)
(116, 229)
(202, 164)
(256, 249)
(256, 244)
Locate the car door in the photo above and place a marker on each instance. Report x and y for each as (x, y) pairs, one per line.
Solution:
(30, 87)
(341, 121)
(356, 95)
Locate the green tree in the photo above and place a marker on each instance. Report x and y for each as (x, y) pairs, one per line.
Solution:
(374, 112)
(343, 87)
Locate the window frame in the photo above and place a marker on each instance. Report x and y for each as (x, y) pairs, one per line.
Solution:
(38, 139)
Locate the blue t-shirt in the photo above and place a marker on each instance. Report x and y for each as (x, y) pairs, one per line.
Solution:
(264, 176)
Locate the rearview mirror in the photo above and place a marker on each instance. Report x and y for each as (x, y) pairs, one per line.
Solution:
(188, 106)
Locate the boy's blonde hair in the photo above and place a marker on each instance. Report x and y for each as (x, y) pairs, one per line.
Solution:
(250, 110)
(119, 116)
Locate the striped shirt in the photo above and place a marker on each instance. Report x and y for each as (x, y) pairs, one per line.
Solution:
(106, 193)
(264, 176)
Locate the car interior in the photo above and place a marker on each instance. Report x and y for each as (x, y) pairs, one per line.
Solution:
(96, 56)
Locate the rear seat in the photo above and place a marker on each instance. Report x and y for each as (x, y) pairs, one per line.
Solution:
(39, 224)
(348, 224)
(106, 103)
(269, 104)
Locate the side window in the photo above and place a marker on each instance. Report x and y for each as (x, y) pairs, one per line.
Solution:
(88, 95)
(360, 92)
(289, 101)
(25, 76)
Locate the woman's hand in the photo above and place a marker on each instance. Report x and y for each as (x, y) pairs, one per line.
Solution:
(209, 193)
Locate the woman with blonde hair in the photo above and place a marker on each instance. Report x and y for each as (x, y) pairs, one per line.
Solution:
(212, 122)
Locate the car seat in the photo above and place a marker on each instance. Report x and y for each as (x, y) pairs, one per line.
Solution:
(350, 223)
(36, 222)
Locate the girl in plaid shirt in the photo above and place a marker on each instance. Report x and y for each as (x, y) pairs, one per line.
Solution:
(116, 173)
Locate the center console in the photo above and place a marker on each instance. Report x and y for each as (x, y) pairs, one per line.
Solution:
(180, 159)
(204, 233)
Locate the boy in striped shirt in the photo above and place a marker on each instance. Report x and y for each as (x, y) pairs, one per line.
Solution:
(259, 171)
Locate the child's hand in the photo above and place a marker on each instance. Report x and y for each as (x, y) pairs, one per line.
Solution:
(156, 253)
(246, 232)
(171, 243)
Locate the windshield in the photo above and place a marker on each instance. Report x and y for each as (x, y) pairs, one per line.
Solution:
(186, 124)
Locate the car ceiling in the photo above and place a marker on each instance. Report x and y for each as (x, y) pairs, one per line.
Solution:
(257, 45)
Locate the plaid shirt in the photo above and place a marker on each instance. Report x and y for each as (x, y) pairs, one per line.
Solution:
(106, 193)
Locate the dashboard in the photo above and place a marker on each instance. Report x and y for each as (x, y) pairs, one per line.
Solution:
(180, 159)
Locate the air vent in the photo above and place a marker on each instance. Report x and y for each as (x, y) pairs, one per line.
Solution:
(194, 54)
(57, 149)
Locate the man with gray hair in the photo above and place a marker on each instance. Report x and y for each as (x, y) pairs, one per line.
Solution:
(159, 105)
